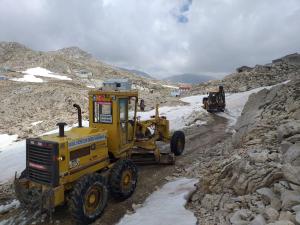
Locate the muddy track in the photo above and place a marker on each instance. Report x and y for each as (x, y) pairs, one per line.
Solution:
(199, 140)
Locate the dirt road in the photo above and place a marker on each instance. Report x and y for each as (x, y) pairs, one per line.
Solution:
(198, 141)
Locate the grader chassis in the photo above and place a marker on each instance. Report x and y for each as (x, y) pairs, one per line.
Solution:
(82, 165)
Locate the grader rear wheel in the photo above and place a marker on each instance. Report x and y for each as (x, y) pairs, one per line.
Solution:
(123, 179)
(88, 199)
(177, 142)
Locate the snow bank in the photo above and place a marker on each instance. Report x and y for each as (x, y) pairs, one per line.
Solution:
(29, 78)
(12, 159)
(36, 123)
(236, 102)
(30, 75)
(180, 116)
(6, 208)
(6, 140)
(165, 206)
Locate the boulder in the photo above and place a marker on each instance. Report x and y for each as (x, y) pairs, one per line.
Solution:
(258, 156)
(292, 155)
(287, 215)
(241, 217)
(288, 129)
(296, 114)
(296, 208)
(271, 214)
(269, 197)
(284, 146)
(291, 173)
(267, 194)
(297, 218)
(258, 220)
(290, 199)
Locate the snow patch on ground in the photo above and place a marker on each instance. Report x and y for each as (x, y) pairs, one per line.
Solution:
(12, 159)
(165, 206)
(36, 123)
(180, 116)
(32, 73)
(5, 208)
(6, 140)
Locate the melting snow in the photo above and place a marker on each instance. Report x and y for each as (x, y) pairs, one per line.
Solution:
(6, 208)
(180, 116)
(32, 73)
(165, 206)
(6, 140)
(36, 123)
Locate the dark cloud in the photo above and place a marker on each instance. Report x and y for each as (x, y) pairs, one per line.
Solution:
(207, 36)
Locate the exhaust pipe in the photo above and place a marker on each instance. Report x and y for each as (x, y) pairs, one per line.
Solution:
(79, 114)
(61, 127)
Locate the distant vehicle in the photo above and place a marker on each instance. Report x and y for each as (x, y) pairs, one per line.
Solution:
(215, 102)
(175, 93)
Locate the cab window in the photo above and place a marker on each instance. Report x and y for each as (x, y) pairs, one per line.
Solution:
(102, 112)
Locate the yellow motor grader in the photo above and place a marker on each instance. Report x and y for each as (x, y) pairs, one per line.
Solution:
(81, 166)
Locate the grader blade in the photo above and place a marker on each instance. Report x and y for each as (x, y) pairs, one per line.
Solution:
(146, 157)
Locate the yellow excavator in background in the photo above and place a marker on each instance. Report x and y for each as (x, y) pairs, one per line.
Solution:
(82, 165)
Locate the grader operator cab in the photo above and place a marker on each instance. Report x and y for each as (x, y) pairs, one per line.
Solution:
(215, 102)
(82, 165)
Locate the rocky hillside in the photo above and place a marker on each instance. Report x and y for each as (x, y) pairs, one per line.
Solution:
(24, 103)
(247, 78)
(254, 176)
(72, 61)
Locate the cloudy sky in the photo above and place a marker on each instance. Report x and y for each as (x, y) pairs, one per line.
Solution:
(161, 37)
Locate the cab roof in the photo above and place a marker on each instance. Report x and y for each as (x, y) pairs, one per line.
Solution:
(131, 93)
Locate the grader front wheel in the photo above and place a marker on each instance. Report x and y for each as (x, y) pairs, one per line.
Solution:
(123, 179)
(88, 199)
(177, 142)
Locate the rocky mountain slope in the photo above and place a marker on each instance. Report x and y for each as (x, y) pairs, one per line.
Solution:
(253, 177)
(25, 103)
(137, 72)
(247, 78)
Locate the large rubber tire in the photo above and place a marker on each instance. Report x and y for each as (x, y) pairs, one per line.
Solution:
(177, 142)
(123, 179)
(88, 199)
